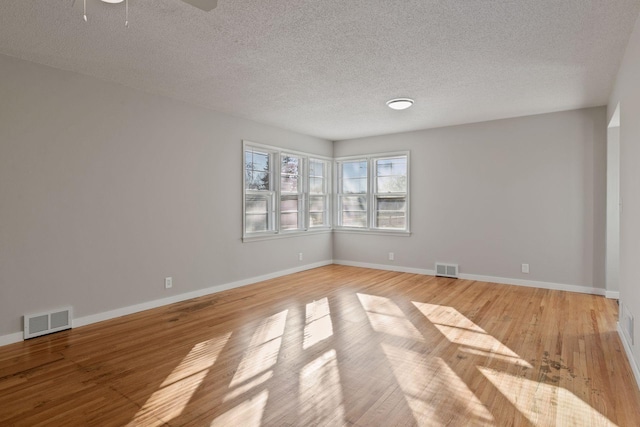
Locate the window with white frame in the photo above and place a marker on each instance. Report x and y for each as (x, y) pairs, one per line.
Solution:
(352, 193)
(284, 191)
(291, 192)
(319, 178)
(259, 193)
(373, 192)
(390, 193)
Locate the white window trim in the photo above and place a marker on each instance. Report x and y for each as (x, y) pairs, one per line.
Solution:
(369, 229)
(275, 154)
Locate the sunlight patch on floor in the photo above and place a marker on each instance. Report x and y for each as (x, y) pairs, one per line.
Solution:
(460, 330)
(246, 414)
(244, 388)
(545, 404)
(202, 356)
(318, 325)
(386, 317)
(320, 393)
(435, 394)
(263, 350)
(177, 389)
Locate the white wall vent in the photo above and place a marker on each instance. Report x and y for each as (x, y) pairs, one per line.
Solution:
(447, 270)
(46, 323)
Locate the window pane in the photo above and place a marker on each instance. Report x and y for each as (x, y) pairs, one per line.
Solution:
(354, 185)
(354, 203)
(389, 167)
(316, 219)
(392, 184)
(257, 161)
(256, 222)
(316, 168)
(391, 219)
(256, 205)
(257, 180)
(256, 170)
(289, 204)
(289, 184)
(391, 175)
(391, 212)
(317, 203)
(289, 221)
(354, 169)
(354, 219)
(395, 204)
(316, 185)
(289, 171)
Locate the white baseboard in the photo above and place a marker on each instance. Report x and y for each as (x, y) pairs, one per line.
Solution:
(99, 317)
(629, 353)
(491, 279)
(11, 338)
(385, 267)
(612, 294)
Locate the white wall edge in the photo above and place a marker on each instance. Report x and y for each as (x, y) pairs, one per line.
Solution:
(11, 338)
(112, 314)
(629, 353)
(479, 278)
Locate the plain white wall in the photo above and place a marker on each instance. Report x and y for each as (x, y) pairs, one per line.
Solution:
(494, 195)
(626, 93)
(106, 190)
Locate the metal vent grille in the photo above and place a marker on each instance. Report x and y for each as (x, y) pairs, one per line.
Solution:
(36, 325)
(447, 270)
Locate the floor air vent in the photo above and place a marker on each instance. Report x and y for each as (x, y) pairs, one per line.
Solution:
(447, 270)
(46, 323)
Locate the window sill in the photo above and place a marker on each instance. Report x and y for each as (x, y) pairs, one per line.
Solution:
(285, 235)
(397, 233)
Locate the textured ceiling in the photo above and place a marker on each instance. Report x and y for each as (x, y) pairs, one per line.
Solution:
(326, 67)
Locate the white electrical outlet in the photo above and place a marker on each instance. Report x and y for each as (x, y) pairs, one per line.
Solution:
(299, 256)
(525, 268)
(168, 282)
(391, 256)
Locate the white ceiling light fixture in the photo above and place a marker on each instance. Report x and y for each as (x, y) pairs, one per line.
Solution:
(400, 103)
(126, 9)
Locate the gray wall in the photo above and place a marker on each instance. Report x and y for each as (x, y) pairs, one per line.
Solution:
(627, 94)
(494, 195)
(106, 190)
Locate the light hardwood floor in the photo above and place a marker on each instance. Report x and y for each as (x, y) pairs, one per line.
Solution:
(334, 346)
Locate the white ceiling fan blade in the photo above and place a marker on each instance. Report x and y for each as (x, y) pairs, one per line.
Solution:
(206, 5)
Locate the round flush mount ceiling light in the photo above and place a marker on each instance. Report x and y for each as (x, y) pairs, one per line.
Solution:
(113, 1)
(400, 103)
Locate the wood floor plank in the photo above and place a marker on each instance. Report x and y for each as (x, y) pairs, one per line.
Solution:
(335, 345)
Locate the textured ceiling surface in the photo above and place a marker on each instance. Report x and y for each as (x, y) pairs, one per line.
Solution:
(326, 68)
